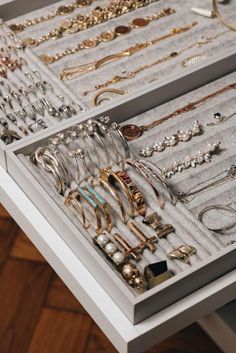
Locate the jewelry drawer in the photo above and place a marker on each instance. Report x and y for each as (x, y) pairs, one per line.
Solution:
(126, 337)
(132, 323)
(216, 62)
(206, 268)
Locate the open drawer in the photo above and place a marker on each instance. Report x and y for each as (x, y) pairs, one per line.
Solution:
(132, 321)
(126, 337)
(214, 55)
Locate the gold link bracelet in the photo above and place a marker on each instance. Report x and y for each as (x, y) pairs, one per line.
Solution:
(68, 74)
(107, 36)
(131, 74)
(61, 10)
(82, 22)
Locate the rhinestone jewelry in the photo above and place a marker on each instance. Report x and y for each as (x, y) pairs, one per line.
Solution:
(172, 141)
(192, 161)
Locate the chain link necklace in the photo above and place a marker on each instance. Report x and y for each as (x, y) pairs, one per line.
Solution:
(132, 132)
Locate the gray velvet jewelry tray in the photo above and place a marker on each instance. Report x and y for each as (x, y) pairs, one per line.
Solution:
(213, 257)
(59, 89)
(205, 29)
(220, 53)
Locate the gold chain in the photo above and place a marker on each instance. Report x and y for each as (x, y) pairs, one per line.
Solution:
(68, 74)
(61, 10)
(132, 74)
(132, 132)
(107, 36)
(95, 17)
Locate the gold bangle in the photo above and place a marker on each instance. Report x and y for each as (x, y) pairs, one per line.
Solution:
(137, 196)
(74, 199)
(114, 194)
(103, 205)
(112, 178)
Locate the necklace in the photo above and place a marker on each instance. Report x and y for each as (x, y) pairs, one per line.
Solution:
(192, 161)
(219, 179)
(61, 10)
(132, 132)
(131, 74)
(68, 74)
(107, 36)
(83, 22)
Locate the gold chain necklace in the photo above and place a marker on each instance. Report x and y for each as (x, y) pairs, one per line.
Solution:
(107, 36)
(95, 17)
(68, 74)
(132, 132)
(61, 10)
(132, 74)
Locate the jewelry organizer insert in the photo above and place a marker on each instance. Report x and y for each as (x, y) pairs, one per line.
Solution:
(31, 100)
(129, 59)
(167, 233)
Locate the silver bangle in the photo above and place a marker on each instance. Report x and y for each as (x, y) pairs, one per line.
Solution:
(217, 207)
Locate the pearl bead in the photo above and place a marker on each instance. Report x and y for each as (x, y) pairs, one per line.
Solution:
(118, 257)
(110, 248)
(102, 239)
(127, 271)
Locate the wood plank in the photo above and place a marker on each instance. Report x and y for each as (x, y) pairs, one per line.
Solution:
(59, 296)
(99, 343)
(8, 231)
(3, 212)
(60, 332)
(190, 340)
(23, 287)
(23, 248)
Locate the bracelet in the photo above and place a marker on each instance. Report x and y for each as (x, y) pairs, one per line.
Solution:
(74, 199)
(103, 183)
(102, 203)
(45, 156)
(217, 207)
(105, 132)
(112, 178)
(127, 75)
(141, 170)
(89, 131)
(83, 22)
(68, 74)
(61, 10)
(207, 185)
(107, 36)
(137, 196)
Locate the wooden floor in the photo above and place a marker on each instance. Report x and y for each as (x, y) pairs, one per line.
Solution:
(38, 314)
